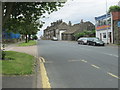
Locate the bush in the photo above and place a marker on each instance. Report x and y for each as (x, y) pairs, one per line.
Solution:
(35, 37)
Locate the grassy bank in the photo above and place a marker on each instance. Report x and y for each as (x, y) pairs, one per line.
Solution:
(17, 63)
(30, 43)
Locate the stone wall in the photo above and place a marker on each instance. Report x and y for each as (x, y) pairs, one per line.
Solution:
(116, 32)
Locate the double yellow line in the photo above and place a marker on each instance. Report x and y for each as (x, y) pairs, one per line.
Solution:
(44, 77)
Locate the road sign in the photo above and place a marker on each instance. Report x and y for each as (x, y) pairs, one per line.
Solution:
(118, 23)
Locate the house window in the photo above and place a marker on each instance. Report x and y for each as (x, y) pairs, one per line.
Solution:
(104, 35)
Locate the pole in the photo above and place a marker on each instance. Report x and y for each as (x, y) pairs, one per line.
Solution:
(106, 22)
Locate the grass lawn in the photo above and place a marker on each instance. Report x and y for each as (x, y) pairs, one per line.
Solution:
(19, 63)
(30, 43)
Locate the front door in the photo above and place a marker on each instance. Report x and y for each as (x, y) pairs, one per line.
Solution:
(100, 36)
(110, 37)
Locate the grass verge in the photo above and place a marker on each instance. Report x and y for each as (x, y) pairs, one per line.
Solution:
(30, 43)
(17, 63)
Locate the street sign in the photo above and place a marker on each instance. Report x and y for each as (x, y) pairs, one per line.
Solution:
(118, 23)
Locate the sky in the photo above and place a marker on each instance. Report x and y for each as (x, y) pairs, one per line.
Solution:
(75, 10)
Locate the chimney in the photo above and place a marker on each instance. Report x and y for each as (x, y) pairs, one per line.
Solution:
(119, 3)
(69, 23)
(81, 21)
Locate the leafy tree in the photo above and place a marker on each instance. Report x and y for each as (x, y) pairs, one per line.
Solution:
(85, 33)
(114, 8)
(23, 17)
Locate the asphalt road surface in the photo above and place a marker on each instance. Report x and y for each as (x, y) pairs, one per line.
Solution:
(70, 65)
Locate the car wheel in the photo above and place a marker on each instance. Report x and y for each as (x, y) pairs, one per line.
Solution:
(94, 44)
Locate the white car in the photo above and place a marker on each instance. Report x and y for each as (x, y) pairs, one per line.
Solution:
(54, 39)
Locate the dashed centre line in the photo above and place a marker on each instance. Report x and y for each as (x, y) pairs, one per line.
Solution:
(113, 75)
(95, 66)
(84, 61)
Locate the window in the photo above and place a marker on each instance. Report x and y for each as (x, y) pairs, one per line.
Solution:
(104, 35)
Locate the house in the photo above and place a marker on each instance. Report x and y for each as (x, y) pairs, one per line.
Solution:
(64, 31)
(116, 27)
(77, 28)
(55, 30)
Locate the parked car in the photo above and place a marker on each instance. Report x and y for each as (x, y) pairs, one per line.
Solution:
(90, 40)
(82, 40)
(95, 42)
(54, 39)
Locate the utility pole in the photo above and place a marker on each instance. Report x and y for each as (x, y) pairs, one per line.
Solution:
(107, 22)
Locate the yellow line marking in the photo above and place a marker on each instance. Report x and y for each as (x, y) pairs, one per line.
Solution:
(42, 59)
(84, 61)
(95, 66)
(44, 77)
(113, 75)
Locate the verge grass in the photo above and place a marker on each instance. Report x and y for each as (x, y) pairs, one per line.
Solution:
(17, 63)
(30, 43)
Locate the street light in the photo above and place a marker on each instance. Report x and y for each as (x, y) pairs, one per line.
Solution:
(107, 22)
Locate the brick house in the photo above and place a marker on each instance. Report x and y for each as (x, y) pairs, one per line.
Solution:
(116, 28)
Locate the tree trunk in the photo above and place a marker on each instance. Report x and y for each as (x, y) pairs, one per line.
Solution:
(26, 38)
(29, 37)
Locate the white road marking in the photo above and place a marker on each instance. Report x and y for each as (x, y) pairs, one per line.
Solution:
(95, 66)
(84, 61)
(111, 54)
(113, 75)
(73, 60)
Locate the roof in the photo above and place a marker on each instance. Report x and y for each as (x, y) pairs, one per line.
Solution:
(69, 31)
(103, 17)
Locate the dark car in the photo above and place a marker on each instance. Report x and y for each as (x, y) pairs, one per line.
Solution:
(82, 40)
(95, 42)
(91, 39)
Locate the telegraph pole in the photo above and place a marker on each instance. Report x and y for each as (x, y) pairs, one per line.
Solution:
(107, 23)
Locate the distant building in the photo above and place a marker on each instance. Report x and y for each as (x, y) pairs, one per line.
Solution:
(64, 31)
(77, 28)
(55, 30)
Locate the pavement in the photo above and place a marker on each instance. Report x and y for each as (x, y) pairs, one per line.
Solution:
(27, 81)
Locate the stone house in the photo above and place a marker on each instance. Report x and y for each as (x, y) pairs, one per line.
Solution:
(64, 31)
(56, 29)
(77, 28)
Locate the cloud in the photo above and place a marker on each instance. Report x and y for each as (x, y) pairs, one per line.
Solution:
(75, 10)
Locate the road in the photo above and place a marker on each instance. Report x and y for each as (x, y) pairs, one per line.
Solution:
(70, 65)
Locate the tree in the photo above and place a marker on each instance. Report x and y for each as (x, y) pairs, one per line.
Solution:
(22, 9)
(22, 16)
(114, 8)
(85, 33)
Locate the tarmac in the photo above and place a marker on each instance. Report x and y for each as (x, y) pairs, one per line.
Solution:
(25, 81)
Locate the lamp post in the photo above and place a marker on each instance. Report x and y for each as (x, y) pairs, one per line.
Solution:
(107, 22)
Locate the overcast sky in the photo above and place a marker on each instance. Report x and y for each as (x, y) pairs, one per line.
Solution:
(75, 10)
